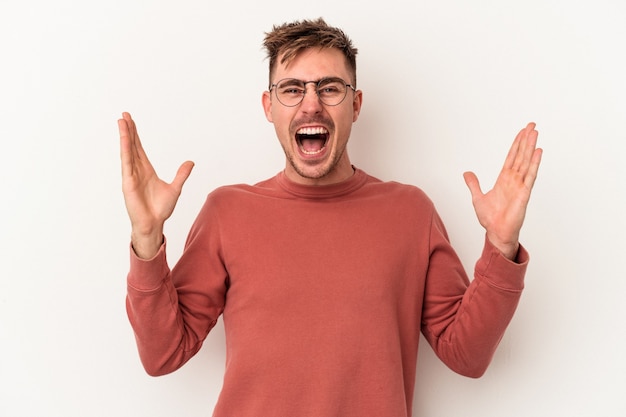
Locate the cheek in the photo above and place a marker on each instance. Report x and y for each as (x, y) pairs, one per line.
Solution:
(281, 126)
(347, 120)
(281, 119)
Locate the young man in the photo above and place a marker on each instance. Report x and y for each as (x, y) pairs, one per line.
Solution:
(324, 275)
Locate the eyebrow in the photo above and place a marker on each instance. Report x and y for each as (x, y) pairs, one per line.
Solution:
(292, 81)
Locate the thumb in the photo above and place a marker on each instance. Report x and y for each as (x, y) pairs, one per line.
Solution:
(472, 183)
(182, 174)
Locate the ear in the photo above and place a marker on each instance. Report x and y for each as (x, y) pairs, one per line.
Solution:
(356, 105)
(266, 100)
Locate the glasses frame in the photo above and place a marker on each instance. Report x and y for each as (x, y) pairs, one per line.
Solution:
(317, 90)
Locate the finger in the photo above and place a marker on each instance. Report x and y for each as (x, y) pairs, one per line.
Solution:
(139, 154)
(471, 180)
(533, 169)
(527, 142)
(134, 136)
(529, 151)
(132, 130)
(511, 156)
(127, 131)
(181, 175)
(126, 147)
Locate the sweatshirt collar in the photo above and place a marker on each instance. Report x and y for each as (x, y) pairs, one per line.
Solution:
(356, 181)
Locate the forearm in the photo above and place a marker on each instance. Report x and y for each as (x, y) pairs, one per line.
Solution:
(152, 307)
(474, 322)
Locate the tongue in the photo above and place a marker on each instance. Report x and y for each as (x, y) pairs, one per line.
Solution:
(312, 145)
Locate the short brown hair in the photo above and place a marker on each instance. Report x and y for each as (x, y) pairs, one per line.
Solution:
(289, 39)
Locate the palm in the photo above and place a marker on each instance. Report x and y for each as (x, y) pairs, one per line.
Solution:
(148, 198)
(501, 210)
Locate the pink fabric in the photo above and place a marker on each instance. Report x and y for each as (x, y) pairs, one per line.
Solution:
(323, 291)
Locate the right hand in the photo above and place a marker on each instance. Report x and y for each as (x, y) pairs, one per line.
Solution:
(149, 200)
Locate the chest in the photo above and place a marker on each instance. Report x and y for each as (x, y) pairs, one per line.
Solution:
(324, 255)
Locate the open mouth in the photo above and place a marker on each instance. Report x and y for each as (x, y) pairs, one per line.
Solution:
(312, 140)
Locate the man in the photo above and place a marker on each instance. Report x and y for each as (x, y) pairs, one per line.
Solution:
(324, 275)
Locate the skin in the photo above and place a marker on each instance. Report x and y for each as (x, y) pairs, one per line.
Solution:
(150, 201)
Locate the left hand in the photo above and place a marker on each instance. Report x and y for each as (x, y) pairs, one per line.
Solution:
(501, 211)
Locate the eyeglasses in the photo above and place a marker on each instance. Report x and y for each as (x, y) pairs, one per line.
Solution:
(331, 91)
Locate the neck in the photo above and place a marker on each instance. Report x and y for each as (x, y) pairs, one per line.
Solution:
(339, 173)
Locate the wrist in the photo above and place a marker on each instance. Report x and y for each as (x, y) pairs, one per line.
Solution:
(146, 246)
(508, 249)
(509, 252)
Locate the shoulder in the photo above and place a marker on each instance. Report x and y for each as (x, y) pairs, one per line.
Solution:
(398, 191)
(240, 193)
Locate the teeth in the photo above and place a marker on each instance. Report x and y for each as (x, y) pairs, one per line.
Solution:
(312, 131)
(311, 152)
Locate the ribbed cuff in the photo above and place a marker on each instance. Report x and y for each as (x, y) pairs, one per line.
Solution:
(501, 272)
(147, 275)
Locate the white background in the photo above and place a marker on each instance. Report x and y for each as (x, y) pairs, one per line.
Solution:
(446, 84)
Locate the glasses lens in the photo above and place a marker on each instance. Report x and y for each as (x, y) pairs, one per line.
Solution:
(290, 92)
(331, 91)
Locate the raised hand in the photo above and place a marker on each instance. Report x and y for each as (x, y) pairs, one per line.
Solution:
(501, 211)
(149, 200)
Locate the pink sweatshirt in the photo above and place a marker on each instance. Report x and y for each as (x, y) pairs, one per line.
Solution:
(323, 291)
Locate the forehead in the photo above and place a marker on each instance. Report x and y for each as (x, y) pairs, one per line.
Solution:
(313, 64)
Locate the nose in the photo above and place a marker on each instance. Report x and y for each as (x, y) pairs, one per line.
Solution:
(311, 102)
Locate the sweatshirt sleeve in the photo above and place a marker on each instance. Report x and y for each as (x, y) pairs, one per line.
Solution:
(172, 311)
(464, 322)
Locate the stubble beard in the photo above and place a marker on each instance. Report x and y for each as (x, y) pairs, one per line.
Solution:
(316, 173)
